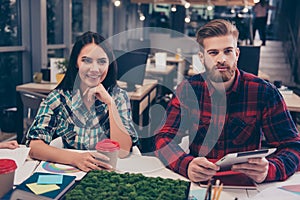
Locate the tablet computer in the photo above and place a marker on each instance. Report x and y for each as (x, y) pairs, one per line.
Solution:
(230, 159)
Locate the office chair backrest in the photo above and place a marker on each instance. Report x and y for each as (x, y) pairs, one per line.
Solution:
(31, 103)
(249, 59)
(137, 45)
(32, 99)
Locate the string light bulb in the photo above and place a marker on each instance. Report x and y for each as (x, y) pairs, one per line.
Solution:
(187, 19)
(142, 17)
(187, 5)
(173, 8)
(245, 9)
(232, 10)
(117, 3)
(141, 14)
(209, 6)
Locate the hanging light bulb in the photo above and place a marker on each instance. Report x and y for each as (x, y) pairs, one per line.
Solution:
(232, 10)
(142, 17)
(187, 5)
(245, 9)
(187, 19)
(173, 8)
(209, 7)
(117, 3)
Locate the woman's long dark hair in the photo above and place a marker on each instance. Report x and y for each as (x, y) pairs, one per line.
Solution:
(72, 69)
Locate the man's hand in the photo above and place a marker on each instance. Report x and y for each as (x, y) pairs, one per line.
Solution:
(87, 162)
(256, 169)
(200, 169)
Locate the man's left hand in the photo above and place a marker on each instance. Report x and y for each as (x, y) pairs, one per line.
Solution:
(255, 168)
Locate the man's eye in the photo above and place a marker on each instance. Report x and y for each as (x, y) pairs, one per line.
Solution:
(228, 51)
(87, 60)
(213, 53)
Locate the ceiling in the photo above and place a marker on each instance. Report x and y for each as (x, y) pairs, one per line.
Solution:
(199, 2)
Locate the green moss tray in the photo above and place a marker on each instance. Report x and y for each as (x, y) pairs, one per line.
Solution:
(111, 185)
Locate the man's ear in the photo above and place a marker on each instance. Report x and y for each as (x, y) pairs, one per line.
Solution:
(201, 56)
(237, 53)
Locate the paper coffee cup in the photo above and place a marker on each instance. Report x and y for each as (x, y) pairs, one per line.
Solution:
(110, 149)
(7, 175)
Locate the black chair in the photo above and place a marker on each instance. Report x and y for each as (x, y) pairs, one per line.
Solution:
(249, 59)
(31, 103)
(136, 45)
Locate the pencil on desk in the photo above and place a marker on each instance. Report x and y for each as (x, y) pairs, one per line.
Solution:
(219, 191)
(207, 190)
(216, 189)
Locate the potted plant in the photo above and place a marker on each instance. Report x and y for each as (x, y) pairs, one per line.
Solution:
(62, 68)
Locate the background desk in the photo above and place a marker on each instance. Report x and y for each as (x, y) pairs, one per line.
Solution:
(179, 63)
(166, 77)
(140, 102)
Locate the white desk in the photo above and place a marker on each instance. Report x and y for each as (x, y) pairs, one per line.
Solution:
(152, 167)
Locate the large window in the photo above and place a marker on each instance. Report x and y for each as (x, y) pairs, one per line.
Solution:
(55, 22)
(9, 21)
(77, 18)
(10, 52)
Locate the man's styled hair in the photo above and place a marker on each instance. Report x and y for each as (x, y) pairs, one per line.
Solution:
(215, 28)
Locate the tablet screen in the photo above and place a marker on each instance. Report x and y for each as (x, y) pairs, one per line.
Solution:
(227, 161)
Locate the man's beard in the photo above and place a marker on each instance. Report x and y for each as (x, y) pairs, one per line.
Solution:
(219, 77)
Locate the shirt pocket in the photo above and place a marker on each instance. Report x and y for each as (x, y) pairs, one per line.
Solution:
(70, 137)
(242, 131)
(200, 128)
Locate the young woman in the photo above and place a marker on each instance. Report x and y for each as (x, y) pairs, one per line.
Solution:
(86, 107)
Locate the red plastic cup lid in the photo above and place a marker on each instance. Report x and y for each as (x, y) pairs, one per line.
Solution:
(7, 166)
(107, 145)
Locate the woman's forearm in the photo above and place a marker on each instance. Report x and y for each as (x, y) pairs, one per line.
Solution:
(42, 151)
(118, 131)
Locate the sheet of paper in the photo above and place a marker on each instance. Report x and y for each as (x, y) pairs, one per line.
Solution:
(40, 189)
(161, 60)
(275, 193)
(149, 164)
(19, 155)
(26, 170)
(56, 168)
(50, 179)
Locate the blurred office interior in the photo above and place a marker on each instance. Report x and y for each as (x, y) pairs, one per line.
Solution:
(33, 31)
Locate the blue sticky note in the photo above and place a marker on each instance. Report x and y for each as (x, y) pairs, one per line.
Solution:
(50, 179)
(197, 194)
